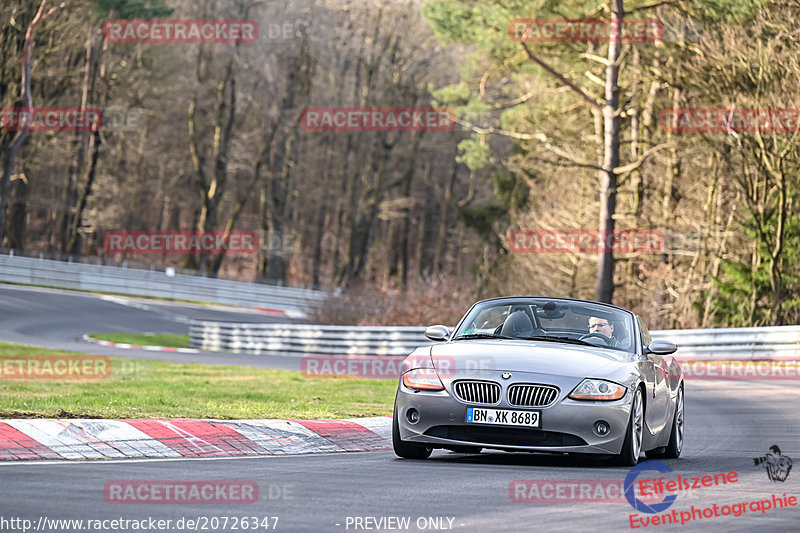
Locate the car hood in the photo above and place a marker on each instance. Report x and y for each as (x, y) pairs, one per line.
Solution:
(528, 356)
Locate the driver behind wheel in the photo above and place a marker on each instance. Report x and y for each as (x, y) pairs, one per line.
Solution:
(604, 328)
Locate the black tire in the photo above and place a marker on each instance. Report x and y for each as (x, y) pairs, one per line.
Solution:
(673, 449)
(656, 453)
(407, 450)
(629, 455)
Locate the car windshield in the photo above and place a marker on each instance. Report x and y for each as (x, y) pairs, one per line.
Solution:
(550, 320)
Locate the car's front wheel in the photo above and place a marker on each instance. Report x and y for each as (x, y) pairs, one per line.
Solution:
(673, 449)
(407, 450)
(632, 447)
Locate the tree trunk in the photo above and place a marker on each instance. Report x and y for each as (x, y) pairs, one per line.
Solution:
(27, 102)
(364, 226)
(17, 213)
(404, 235)
(317, 254)
(74, 245)
(422, 241)
(608, 179)
(263, 234)
(72, 198)
(441, 236)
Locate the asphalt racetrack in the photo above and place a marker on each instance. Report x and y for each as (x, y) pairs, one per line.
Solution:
(57, 319)
(728, 424)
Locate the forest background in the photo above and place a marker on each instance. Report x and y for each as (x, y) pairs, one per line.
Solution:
(411, 227)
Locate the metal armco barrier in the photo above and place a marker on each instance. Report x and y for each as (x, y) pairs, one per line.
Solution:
(778, 343)
(299, 340)
(152, 283)
(731, 344)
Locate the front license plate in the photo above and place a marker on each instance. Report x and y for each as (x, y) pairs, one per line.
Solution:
(503, 417)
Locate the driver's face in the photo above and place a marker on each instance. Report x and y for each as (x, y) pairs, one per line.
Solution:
(600, 325)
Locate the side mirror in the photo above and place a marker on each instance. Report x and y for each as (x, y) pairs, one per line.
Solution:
(661, 348)
(437, 333)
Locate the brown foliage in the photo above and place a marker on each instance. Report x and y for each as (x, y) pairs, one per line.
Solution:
(442, 302)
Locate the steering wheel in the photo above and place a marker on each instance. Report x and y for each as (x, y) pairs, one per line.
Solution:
(600, 336)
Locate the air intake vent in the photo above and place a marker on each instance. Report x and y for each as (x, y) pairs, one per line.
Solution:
(501, 436)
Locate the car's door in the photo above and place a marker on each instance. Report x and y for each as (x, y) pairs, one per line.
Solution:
(657, 414)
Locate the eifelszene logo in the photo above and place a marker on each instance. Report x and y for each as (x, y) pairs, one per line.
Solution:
(637, 503)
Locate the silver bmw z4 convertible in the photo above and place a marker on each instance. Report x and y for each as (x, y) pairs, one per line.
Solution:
(540, 374)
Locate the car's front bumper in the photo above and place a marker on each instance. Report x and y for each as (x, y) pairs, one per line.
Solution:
(565, 426)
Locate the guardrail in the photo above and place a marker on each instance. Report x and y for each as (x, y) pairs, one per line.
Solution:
(299, 340)
(775, 343)
(738, 344)
(153, 283)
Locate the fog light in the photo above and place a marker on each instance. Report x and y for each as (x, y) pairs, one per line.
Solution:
(601, 428)
(412, 415)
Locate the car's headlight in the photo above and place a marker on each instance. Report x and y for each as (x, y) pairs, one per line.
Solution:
(598, 389)
(419, 373)
(422, 379)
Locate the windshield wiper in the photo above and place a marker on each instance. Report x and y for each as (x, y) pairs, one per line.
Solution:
(561, 339)
(483, 336)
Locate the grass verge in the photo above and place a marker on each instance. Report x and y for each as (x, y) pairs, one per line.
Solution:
(139, 388)
(171, 340)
